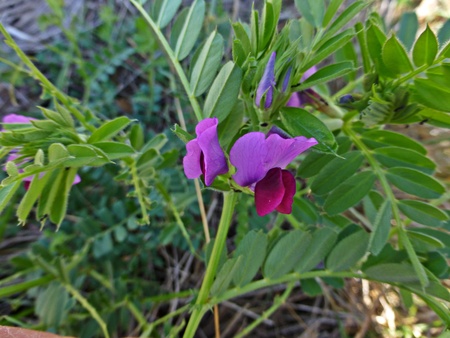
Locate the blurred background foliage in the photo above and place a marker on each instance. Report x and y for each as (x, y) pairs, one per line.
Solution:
(102, 53)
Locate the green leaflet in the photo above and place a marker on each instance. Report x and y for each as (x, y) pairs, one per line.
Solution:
(426, 48)
(381, 228)
(224, 92)
(415, 182)
(299, 122)
(186, 29)
(164, 10)
(207, 63)
(286, 254)
(395, 57)
(252, 250)
(347, 252)
(337, 171)
(109, 129)
(422, 212)
(349, 193)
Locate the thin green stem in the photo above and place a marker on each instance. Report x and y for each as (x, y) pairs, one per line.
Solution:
(176, 214)
(171, 56)
(412, 74)
(278, 301)
(36, 73)
(84, 302)
(292, 277)
(161, 320)
(403, 238)
(139, 193)
(137, 314)
(201, 305)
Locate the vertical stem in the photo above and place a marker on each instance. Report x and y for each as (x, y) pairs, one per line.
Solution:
(201, 305)
(403, 238)
(172, 58)
(83, 301)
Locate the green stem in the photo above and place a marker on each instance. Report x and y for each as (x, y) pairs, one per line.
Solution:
(278, 301)
(201, 305)
(151, 326)
(136, 313)
(83, 301)
(292, 277)
(412, 74)
(403, 238)
(35, 72)
(139, 193)
(167, 197)
(173, 60)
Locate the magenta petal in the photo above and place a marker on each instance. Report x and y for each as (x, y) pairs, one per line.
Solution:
(267, 83)
(285, 207)
(269, 192)
(76, 180)
(205, 124)
(191, 162)
(14, 118)
(214, 158)
(247, 155)
(281, 152)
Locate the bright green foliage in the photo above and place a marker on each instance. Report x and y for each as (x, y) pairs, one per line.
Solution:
(426, 48)
(207, 63)
(395, 57)
(336, 171)
(367, 204)
(381, 228)
(341, 258)
(299, 122)
(286, 253)
(252, 249)
(224, 92)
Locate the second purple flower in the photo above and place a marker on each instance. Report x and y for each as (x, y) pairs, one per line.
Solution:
(204, 154)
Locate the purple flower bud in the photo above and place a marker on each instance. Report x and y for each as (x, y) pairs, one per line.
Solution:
(299, 99)
(204, 155)
(287, 77)
(267, 83)
(15, 118)
(260, 164)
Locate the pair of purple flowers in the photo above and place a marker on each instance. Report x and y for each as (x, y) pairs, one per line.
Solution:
(260, 163)
(260, 160)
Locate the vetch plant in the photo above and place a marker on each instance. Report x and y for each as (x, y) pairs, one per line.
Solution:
(362, 203)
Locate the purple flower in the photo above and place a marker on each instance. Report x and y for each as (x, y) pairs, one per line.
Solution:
(14, 118)
(267, 83)
(261, 163)
(204, 155)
